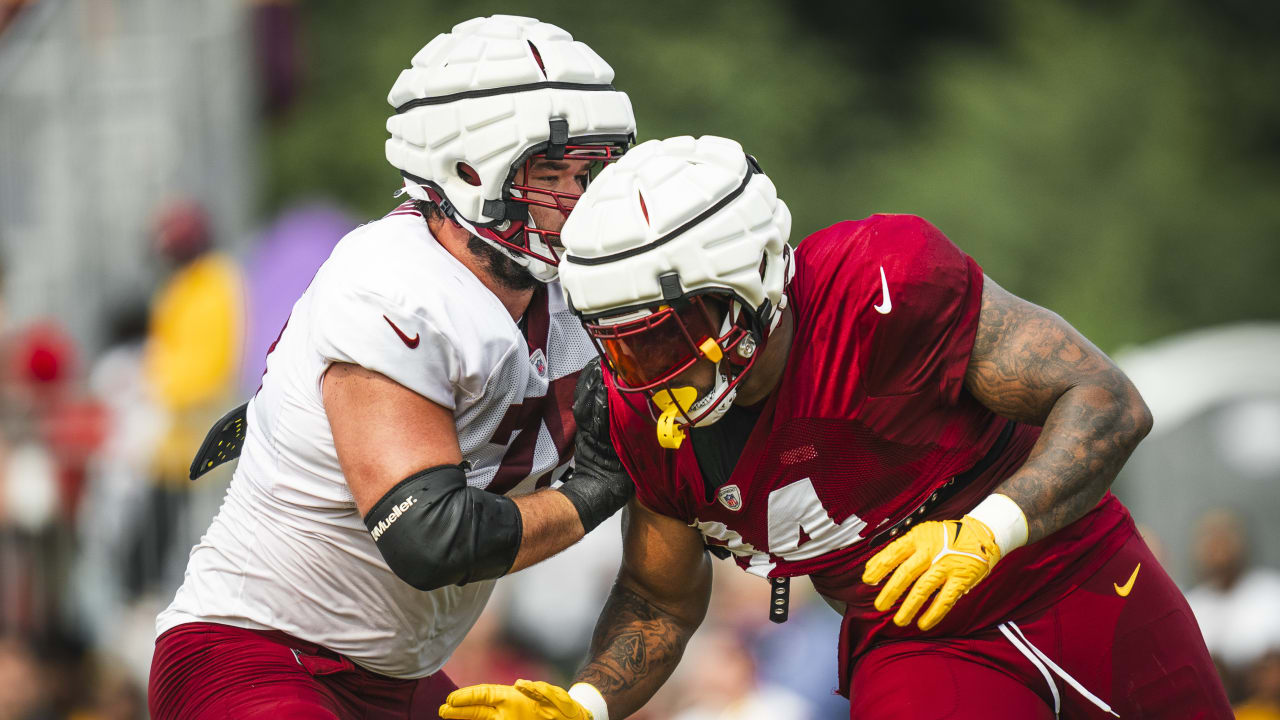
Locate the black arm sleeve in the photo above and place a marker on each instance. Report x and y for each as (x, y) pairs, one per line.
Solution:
(599, 486)
(433, 530)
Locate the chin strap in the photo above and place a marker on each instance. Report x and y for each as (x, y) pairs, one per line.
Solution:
(413, 190)
(541, 271)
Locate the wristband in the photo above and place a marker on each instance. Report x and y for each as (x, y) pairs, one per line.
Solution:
(1006, 520)
(586, 695)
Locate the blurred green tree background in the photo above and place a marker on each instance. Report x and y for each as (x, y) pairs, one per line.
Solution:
(1115, 161)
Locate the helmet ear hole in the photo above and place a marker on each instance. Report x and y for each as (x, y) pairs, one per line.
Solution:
(468, 174)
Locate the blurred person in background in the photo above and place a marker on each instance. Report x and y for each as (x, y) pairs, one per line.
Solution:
(798, 656)
(195, 331)
(115, 695)
(488, 651)
(23, 693)
(45, 676)
(868, 410)
(51, 429)
(116, 559)
(1236, 603)
(427, 373)
(724, 684)
(1263, 681)
(191, 360)
(801, 655)
(549, 611)
(67, 670)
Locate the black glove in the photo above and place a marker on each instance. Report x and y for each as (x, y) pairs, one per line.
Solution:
(599, 486)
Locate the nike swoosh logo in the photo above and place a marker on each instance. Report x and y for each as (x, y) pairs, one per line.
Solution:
(885, 304)
(411, 342)
(1123, 590)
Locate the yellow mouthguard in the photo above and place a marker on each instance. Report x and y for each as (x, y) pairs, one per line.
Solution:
(673, 403)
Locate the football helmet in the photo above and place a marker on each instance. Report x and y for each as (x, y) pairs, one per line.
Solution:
(678, 253)
(482, 103)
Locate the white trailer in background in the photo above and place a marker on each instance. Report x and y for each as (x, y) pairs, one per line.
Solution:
(1215, 396)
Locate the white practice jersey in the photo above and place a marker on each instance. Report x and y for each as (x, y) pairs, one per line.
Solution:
(289, 550)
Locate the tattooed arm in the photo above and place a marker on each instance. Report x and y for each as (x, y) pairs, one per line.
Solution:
(1029, 365)
(658, 600)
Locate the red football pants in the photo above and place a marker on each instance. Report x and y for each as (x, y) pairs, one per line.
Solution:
(1097, 653)
(202, 671)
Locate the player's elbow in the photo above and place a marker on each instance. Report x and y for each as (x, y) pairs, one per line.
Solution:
(434, 531)
(1141, 416)
(1133, 420)
(427, 572)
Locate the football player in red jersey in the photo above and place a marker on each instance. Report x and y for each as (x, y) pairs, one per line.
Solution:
(875, 413)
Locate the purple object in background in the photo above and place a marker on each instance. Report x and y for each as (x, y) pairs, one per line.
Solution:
(278, 271)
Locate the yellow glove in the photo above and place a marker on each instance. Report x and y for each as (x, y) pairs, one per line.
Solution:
(949, 557)
(526, 700)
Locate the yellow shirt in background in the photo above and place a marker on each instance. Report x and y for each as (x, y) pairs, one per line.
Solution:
(1257, 711)
(193, 353)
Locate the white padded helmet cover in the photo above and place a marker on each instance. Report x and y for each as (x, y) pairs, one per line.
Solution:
(678, 179)
(491, 133)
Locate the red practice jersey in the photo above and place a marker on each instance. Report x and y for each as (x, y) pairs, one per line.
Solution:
(869, 419)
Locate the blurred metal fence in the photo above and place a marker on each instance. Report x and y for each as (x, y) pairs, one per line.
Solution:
(107, 108)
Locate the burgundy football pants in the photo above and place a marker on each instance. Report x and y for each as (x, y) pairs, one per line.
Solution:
(202, 671)
(1123, 644)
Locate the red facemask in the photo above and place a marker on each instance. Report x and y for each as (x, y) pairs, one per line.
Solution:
(647, 354)
(518, 235)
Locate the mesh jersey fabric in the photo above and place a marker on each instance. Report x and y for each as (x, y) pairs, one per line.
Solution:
(289, 550)
(869, 419)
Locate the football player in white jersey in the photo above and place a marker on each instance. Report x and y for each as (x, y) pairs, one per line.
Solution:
(417, 408)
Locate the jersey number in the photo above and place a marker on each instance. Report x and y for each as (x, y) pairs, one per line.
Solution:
(799, 529)
(556, 410)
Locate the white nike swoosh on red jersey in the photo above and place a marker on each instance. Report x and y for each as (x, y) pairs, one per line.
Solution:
(886, 304)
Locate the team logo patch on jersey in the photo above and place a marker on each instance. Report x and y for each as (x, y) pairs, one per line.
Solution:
(539, 362)
(731, 497)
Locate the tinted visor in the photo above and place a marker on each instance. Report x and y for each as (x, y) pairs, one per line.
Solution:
(649, 351)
